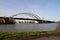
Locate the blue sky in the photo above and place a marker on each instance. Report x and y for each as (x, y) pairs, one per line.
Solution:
(47, 9)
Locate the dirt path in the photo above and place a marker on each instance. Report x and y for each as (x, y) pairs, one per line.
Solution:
(49, 37)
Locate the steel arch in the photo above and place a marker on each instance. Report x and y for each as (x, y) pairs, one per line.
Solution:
(29, 14)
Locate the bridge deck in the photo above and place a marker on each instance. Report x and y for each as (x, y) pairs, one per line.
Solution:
(40, 21)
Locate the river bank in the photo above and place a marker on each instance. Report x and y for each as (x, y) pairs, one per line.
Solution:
(51, 37)
(42, 35)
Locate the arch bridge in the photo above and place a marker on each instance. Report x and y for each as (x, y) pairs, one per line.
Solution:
(36, 18)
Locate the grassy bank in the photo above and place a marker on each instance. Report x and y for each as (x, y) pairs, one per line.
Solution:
(27, 34)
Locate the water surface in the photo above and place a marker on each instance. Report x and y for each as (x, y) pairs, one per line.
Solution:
(28, 27)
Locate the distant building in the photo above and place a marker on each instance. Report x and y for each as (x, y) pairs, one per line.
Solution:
(5, 20)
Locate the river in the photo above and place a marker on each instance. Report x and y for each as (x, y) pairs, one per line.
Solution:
(28, 27)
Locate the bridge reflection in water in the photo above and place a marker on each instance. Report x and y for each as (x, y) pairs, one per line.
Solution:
(11, 19)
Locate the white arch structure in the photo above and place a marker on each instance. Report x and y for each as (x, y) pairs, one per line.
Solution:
(29, 14)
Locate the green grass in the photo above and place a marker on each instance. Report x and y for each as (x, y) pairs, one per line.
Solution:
(26, 34)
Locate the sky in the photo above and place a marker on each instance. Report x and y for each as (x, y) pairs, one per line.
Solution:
(45, 9)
